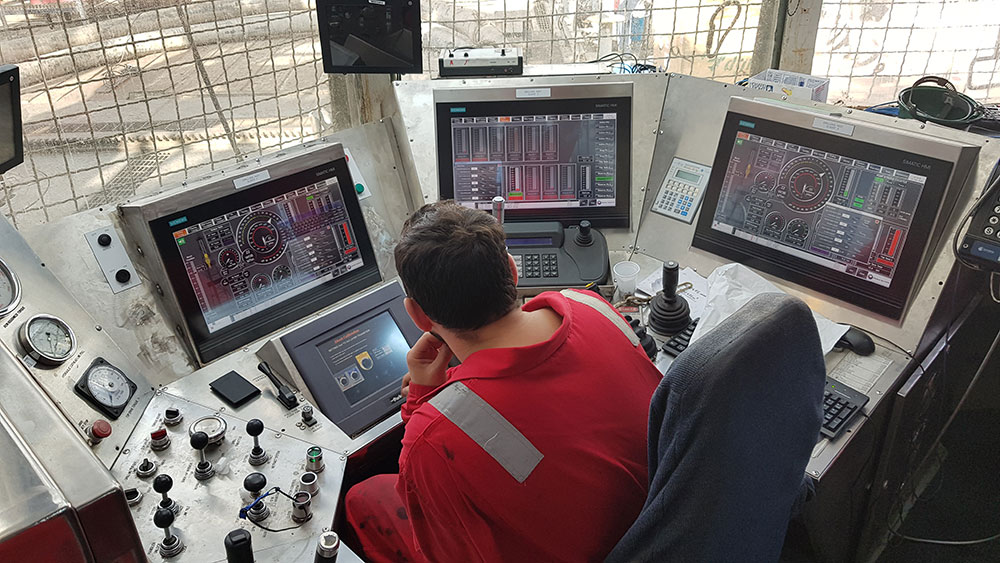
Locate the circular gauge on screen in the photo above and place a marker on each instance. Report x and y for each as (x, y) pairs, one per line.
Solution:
(260, 234)
(47, 339)
(106, 387)
(10, 289)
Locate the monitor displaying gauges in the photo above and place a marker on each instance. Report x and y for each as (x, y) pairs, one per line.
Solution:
(106, 388)
(47, 340)
(10, 289)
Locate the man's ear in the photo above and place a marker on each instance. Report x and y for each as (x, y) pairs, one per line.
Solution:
(513, 266)
(418, 315)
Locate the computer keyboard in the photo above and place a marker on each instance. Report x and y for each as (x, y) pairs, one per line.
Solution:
(680, 341)
(840, 405)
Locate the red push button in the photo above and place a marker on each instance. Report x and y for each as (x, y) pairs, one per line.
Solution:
(157, 435)
(100, 430)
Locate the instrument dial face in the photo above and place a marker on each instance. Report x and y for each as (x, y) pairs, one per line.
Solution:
(281, 273)
(260, 234)
(809, 182)
(764, 182)
(798, 231)
(260, 282)
(229, 258)
(10, 289)
(48, 339)
(774, 224)
(108, 386)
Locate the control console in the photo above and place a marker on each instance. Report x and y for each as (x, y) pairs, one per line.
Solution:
(549, 255)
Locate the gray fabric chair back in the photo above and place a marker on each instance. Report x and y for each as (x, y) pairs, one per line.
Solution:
(731, 428)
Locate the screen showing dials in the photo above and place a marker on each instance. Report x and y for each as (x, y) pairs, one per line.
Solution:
(250, 259)
(842, 213)
(833, 206)
(549, 159)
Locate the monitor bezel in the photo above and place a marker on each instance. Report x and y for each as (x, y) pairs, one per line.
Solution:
(300, 344)
(212, 345)
(527, 101)
(417, 67)
(12, 74)
(889, 301)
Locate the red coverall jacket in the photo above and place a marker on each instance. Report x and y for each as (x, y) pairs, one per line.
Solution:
(581, 399)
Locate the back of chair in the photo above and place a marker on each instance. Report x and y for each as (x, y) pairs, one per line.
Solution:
(731, 428)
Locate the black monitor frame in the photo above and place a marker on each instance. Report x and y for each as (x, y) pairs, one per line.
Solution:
(10, 74)
(887, 301)
(300, 344)
(323, 9)
(210, 346)
(582, 98)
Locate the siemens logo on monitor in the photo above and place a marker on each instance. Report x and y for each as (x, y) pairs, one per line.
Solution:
(457, 110)
(178, 221)
(747, 124)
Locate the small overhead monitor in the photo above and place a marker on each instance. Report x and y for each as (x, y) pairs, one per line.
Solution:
(11, 140)
(370, 37)
(263, 248)
(353, 359)
(842, 207)
(557, 153)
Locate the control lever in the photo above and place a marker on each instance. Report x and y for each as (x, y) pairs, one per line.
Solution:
(239, 546)
(204, 469)
(284, 394)
(171, 545)
(257, 455)
(669, 313)
(254, 483)
(583, 236)
(162, 484)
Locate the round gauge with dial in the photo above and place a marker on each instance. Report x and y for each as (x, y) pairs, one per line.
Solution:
(281, 274)
(809, 183)
(260, 233)
(106, 388)
(764, 182)
(774, 223)
(47, 339)
(260, 282)
(10, 289)
(797, 231)
(229, 258)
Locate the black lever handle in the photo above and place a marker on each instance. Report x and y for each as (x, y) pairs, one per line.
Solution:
(285, 395)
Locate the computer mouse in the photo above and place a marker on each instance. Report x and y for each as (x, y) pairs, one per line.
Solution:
(857, 341)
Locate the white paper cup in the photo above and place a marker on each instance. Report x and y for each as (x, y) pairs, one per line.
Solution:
(626, 274)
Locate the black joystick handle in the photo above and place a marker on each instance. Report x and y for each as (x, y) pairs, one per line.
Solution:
(239, 546)
(162, 484)
(584, 236)
(671, 275)
(255, 427)
(199, 440)
(254, 483)
(164, 518)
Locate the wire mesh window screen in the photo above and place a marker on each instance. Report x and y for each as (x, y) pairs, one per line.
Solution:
(871, 50)
(709, 38)
(122, 94)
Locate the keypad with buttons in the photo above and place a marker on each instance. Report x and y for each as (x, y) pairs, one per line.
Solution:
(680, 199)
(537, 265)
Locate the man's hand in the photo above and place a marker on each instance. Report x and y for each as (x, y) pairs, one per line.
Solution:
(427, 362)
(405, 391)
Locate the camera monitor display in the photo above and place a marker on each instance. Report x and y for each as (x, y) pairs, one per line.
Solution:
(829, 211)
(556, 153)
(353, 360)
(11, 142)
(247, 263)
(362, 36)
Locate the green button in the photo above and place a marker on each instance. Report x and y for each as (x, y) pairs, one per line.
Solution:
(360, 189)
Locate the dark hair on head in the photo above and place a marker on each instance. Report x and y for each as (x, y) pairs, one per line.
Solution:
(453, 263)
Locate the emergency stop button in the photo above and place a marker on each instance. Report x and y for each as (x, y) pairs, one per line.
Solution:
(99, 430)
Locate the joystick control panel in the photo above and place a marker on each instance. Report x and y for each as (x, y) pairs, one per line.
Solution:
(198, 473)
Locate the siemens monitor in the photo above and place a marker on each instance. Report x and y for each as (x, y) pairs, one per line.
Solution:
(843, 207)
(263, 248)
(368, 36)
(558, 153)
(11, 141)
(353, 359)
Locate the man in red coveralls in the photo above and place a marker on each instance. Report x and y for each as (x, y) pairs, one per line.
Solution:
(534, 448)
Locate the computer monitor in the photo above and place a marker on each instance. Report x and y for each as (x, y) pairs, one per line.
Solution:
(353, 359)
(277, 243)
(362, 36)
(554, 153)
(11, 141)
(842, 207)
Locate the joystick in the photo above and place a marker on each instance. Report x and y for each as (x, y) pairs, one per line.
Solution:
(669, 313)
(162, 484)
(645, 340)
(239, 546)
(257, 455)
(583, 237)
(204, 469)
(254, 483)
(171, 545)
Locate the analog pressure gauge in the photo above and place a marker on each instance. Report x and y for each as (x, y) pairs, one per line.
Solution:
(106, 387)
(47, 339)
(10, 289)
